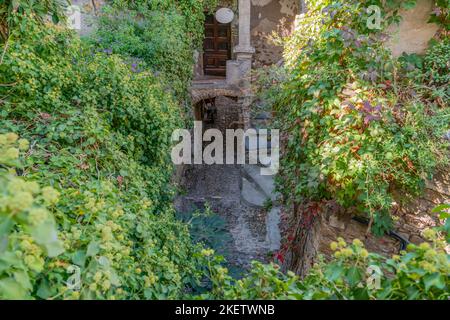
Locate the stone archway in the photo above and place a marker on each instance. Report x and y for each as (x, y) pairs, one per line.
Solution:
(204, 101)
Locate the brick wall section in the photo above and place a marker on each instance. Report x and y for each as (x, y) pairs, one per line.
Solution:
(228, 114)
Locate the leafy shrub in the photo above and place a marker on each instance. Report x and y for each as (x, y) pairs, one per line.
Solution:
(13, 13)
(99, 135)
(421, 272)
(437, 64)
(441, 14)
(162, 34)
(357, 126)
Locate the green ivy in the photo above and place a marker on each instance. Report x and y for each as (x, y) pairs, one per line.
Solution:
(421, 272)
(359, 122)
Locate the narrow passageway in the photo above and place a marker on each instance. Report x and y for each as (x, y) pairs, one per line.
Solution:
(246, 232)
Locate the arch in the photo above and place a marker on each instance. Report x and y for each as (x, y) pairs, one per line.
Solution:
(198, 95)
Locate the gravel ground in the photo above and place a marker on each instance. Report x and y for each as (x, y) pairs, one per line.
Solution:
(218, 185)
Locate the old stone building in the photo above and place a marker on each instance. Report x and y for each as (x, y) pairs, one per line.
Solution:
(237, 40)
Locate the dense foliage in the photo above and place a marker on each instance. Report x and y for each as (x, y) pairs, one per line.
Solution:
(360, 123)
(421, 272)
(85, 175)
(98, 139)
(159, 34)
(14, 13)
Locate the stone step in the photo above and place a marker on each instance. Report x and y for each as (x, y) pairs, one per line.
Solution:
(264, 183)
(251, 195)
(273, 233)
(264, 145)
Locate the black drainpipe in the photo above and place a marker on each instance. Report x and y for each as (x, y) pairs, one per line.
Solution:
(403, 242)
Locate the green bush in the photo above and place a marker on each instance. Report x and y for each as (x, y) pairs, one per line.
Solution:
(421, 272)
(14, 13)
(359, 126)
(25, 206)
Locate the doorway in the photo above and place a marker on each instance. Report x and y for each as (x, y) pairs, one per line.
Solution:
(216, 47)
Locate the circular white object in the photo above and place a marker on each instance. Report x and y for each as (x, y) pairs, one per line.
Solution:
(224, 15)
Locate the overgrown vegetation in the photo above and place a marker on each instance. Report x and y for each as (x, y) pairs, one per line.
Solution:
(13, 14)
(85, 178)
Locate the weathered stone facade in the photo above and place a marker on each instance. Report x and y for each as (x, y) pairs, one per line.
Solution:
(412, 216)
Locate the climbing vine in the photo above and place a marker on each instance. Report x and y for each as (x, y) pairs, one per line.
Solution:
(359, 122)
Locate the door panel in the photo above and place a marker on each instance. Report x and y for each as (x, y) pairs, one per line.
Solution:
(216, 46)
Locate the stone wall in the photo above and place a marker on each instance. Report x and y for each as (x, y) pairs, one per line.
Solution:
(411, 36)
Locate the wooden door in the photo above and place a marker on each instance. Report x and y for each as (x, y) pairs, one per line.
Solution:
(216, 47)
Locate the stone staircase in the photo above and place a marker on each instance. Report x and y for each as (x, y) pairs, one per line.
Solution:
(258, 191)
